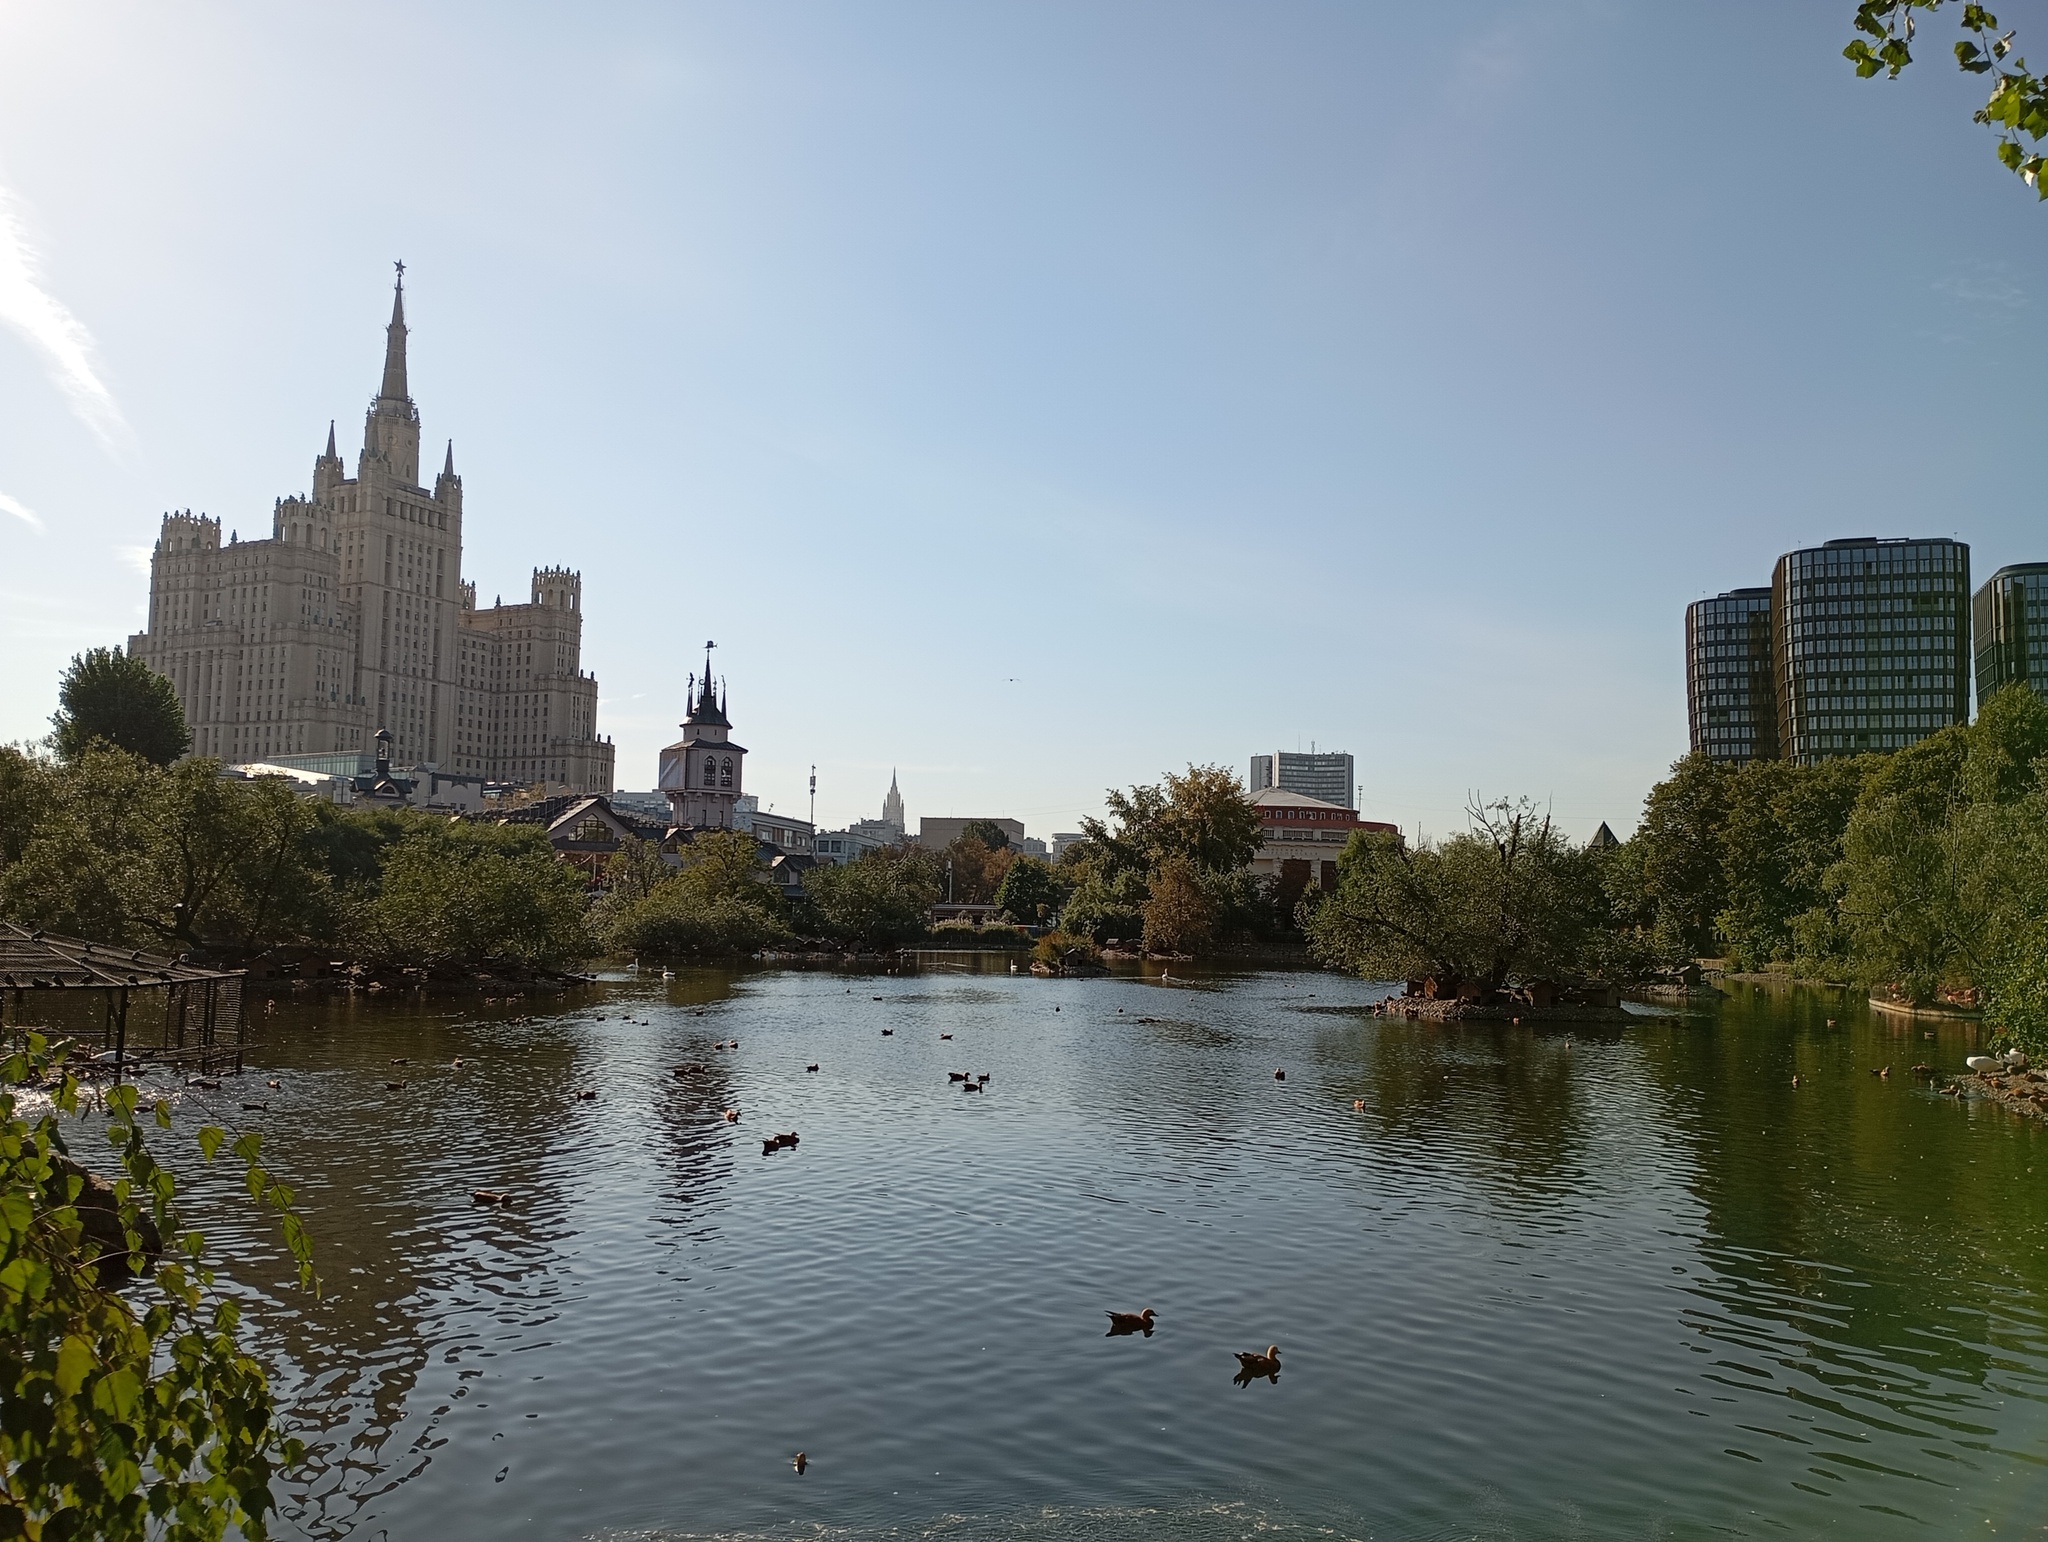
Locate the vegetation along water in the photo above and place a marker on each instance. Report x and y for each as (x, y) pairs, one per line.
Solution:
(1530, 1282)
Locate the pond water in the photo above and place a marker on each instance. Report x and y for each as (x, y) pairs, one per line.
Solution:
(1612, 1282)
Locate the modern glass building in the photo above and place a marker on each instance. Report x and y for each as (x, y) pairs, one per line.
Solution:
(1872, 641)
(2011, 614)
(1731, 693)
(1327, 775)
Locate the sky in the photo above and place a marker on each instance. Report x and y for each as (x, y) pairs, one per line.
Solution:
(1035, 399)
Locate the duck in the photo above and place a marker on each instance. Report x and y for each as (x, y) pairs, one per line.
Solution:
(1121, 1323)
(394, 1086)
(800, 1462)
(1256, 1364)
(982, 1078)
(956, 1076)
(1795, 1078)
(1279, 1076)
(274, 1084)
(490, 1196)
(400, 1060)
(887, 1033)
(586, 1094)
(457, 1065)
(970, 1086)
(260, 1108)
(1358, 1105)
(732, 1116)
(945, 1036)
(812, 1066)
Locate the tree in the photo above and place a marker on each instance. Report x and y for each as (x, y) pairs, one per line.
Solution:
(1781, 838)
(1684, 871)
(123, 851)
(466, 895)
(1032, 892)
(1178, 916)
(109, 697)
(2018, 103)
(126, 1413)
(879, 900)
(1507, 900)
(1939, 857)
(988, 832)
(978, 867)
(719, 903)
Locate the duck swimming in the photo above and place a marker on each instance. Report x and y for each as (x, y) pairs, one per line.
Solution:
(1256, 1364)
(1121, 1323)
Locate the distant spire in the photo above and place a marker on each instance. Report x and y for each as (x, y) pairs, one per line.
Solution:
(330, 440)
(448, 470)
(394, 388)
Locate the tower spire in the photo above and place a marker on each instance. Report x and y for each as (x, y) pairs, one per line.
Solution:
(394, 388)
(448, 470)
(330, 440)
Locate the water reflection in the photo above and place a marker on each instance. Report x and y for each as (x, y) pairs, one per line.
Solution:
(1532, 1280)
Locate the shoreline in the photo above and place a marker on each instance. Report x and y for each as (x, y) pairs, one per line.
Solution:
(2024, 1092)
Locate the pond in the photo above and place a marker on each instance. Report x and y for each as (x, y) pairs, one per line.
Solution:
(1559, 1282)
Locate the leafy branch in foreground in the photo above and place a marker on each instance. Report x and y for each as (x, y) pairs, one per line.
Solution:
(122, 1418)
(2018, 104)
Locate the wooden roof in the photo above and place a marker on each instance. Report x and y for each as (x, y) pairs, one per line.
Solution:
(37, 960)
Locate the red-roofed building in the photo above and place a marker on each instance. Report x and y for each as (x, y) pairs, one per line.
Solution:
(1304, 837)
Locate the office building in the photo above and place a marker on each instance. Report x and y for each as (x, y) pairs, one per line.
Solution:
(2011, 621)
(1326, 775)
(1731, 692)
(1872, 644)
(352, 616)
(939, 833)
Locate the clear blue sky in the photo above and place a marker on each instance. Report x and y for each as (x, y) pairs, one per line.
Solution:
(1039, 397)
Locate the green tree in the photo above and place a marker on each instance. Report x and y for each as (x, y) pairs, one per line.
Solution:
(109, 697)
(988, 832)
(462, 896)
(1178, 916)
(2017, 107)
(1940, 851)
(1032, 891)
(1684, 872)
(123, 851)
(1782, 837)
(878, 900)
(123, 1413)
(1507, 900)
(717, 904)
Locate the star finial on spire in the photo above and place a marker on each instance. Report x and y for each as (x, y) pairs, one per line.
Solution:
(401, 273)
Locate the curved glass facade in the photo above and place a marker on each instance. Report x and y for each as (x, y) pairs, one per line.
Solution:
(2011, 614)
(1872, 644)
(1731, 695)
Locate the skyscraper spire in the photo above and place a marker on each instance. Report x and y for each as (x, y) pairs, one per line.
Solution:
(394, 388)
(330, 440)
(448, 470)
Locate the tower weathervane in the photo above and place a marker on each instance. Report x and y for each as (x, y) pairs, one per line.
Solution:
(401, 273)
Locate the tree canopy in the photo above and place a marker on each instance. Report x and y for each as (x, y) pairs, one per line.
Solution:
(109, 697)
(2017, 107)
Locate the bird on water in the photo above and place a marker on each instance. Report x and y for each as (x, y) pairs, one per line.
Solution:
(1121, 1323)
(1256, 1364)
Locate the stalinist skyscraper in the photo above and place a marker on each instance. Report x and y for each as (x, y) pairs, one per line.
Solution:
(354, 616)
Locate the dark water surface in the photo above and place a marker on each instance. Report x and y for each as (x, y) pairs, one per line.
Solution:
(1596, 1283)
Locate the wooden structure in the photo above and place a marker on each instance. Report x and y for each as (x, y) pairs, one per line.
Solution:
(138, 1006)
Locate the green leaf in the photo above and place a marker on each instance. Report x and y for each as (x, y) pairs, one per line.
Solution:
(75, 1360)
(210, 1139)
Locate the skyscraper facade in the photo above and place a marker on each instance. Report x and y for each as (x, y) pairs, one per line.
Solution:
(1731, 694)
(1327, 775)
(1872, 644)
(353, 616)
(2011, 623)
